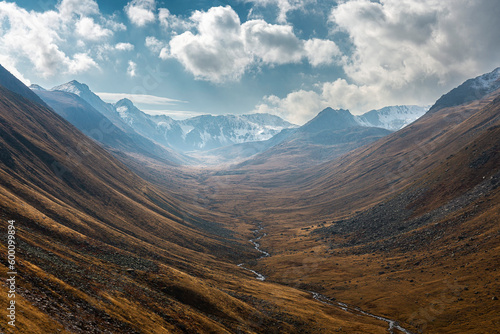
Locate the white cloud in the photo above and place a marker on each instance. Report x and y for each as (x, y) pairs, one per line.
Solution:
(88, 29)
(132, 68)
(273, 44)
(165, 53)
(301, 106)
(173, 22)
(297, 107)
(223, 48)
(404, 52)
(141, 12)
(138, 98)
(35, 37)
(217, 52)
(115, 26)
(124, 47)
(9, 64)
(321, 52)
(175, 114)
(403, 45)
(81, 7)
(81, 62)
(284, 6)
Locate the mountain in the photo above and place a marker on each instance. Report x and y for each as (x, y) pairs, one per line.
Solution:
(209, 132)
(35, 87)
(330, 134)
(202, 132)
(405, 226)
(14, 85)
(195, 134)
(392, 118)
(471, 90)
(94, 122)
(102, 250)
(95, 125)
(237, 153)
(139, 121)
(84, 92)
(329, 119)
(388, 118)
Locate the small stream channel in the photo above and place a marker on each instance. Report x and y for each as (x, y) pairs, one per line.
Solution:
(393, 325)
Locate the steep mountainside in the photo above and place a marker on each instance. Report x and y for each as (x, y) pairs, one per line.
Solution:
(97, 126)
(101, 250)
(405, 226)
(195, 134)
(471, 90)
(84, 92)
(11, 83)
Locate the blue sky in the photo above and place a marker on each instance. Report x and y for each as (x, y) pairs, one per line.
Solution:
(287, 57)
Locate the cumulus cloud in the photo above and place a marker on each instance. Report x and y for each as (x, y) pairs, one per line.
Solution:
(35, 37)
(402, 43)
(81, 62)
(141, 12)
(273, 44)
(217, 52)
(403, 52)
(88, 29)
(124, 47)
(68, 8)
(223, 48)
(10, 65)
(321, 52)
(173, 22)
(301, 106)
(154, 44)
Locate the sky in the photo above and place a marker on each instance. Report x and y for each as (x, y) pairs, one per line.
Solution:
(290, 58)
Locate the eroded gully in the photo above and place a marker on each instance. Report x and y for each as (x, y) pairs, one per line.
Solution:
(393, 324)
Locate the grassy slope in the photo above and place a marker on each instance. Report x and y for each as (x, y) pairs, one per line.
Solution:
(439, 277)
(102, 250)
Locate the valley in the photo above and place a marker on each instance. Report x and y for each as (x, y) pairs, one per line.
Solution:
(331, 228)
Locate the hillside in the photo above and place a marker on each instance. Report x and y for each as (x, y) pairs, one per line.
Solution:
(100, 249)
(404, 226)
(98, 127)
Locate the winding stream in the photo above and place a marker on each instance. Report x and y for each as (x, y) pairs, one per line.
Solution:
(356, 310)
(256, 245)
(393, 325)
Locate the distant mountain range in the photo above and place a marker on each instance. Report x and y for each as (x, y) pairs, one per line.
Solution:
(202, 132)
(213, 134)
(403, 229)
(330, 134)
(392, 118)
(97, 121)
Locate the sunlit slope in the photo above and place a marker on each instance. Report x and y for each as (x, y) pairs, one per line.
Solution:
(101, 250)
(427, 255)
(406, 227)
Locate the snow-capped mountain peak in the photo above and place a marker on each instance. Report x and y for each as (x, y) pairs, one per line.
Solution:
(83, 91)
(393, 117)
(74, 87)
(470, 90)
(37, 87)
(489, 81)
